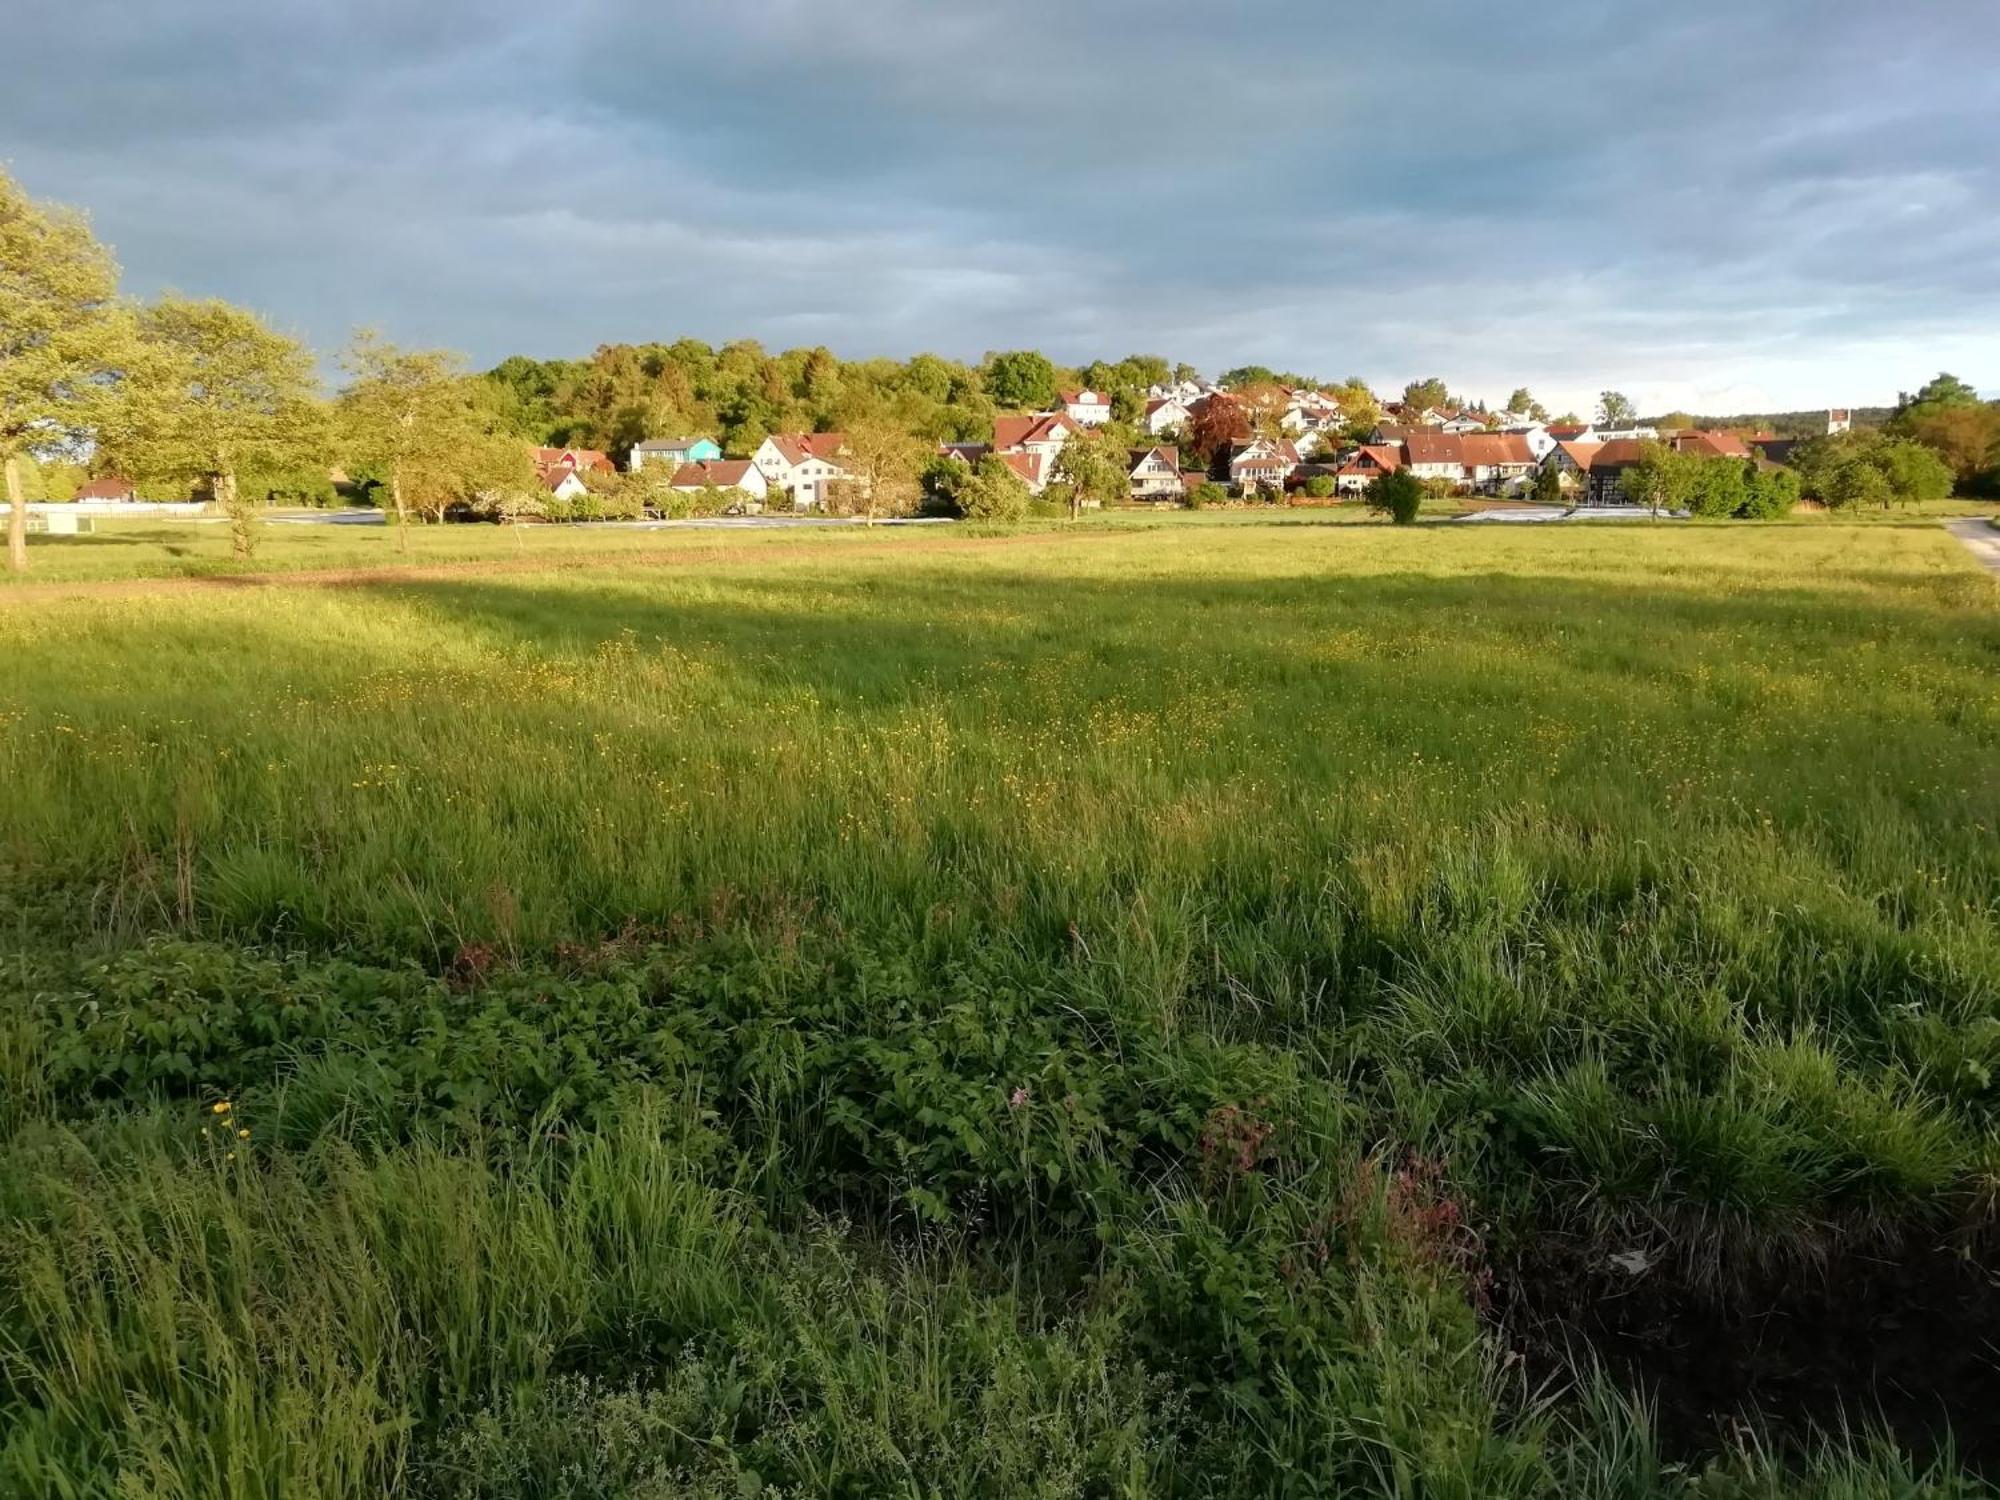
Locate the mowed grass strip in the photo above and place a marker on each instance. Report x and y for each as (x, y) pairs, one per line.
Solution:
(1165, 916)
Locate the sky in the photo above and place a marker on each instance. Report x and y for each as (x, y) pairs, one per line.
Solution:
(1717, 207)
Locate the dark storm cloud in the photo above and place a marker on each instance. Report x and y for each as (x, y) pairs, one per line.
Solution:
(1787, 200)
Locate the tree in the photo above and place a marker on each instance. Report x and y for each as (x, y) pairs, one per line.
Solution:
(214, 391)
(1023, 379)
(1526, 405)
(1662, 479)
(1089, 472)
(1548, 485)
(1944, 391)
(1320, 487)
(1206, 494)
(1716, 487)
(1768, 494)
(1966, 437)
(417, 418)
(1855, 481)
(993, 492)
(61, 336)
(1215, 425)
(1615, 409)
(1398, 494)
(885, 462)
(1916, 472)
(1423, 395)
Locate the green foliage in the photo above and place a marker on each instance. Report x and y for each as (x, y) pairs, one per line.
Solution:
(1859, 470)
(1398, 494)
(63, 338)
(1207, 495)
(1548, 487)
(1022, 380)
(854, 1025)
(1717, 487)
(1320, 486)
(1090, 472)
(994, 492)
(1423, 395)
(1615, 409)
(1769, 495)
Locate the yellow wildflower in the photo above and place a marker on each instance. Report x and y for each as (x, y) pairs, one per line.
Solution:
(221, 1107)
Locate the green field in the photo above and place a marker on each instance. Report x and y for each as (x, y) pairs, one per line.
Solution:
(1211, 1008)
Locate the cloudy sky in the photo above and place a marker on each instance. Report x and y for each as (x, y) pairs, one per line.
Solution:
(1721, 206)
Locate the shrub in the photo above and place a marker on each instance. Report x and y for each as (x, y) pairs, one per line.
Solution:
(994, 493)
(1205, 494)
(1320, 486)
(1399, 495)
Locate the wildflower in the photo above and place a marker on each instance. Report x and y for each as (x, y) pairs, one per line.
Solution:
(1019, 1098)
(220, 1107)
(243, 1135)
(229, 1156)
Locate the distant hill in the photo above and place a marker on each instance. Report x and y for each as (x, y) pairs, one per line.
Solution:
(1798, 424)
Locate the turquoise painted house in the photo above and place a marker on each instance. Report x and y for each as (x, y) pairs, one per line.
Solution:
(674, 452)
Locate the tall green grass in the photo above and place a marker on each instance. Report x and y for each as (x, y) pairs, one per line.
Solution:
(1187, 965)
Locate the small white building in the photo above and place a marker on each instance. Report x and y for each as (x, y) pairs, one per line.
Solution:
(1086, 408)
(1166, 414)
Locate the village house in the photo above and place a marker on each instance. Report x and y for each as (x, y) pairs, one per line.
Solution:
(1155, 473)
(1086, 408)
(1605, 483)
(724, 474)
(1435, 455)
(112, 487)
(1166, 414)
(1264, 464)
(1036, 442)
(561, 481)
(673, 452)
(803, 465)
(1366, 464)
(1573, 432)
(1496, 462)
(1571, 461)
(572, 458)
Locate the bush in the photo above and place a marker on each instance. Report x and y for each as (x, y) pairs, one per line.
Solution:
(1205, 494)
(993, 492)
(1769, 495)
(1320, 486)
(1398, 495)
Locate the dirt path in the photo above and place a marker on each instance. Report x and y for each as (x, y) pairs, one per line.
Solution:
(146, 588)
(1980, 539)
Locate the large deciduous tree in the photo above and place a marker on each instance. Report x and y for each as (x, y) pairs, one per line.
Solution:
(214, 391)
(1615, 409)
(61, 335)
(1021, 379)
(1090, 471)
(1423, 395)
(420, 421)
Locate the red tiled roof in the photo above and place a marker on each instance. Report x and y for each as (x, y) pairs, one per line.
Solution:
(723, 473)
(796, 447)
(1494, 449)
(1017, 432)
(1084, 398)
(1581, 454)
(1434, 448)
(1136, 456)
(1712, 444)
(1027, 466)
(1617, 453)
(110, 487)
(1569, 430)
(574, 458)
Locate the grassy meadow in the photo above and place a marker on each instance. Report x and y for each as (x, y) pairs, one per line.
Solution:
(1199, 1008)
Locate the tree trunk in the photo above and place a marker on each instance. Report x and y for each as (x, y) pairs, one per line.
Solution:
(17, 517)
(242, 520)
(402, 511)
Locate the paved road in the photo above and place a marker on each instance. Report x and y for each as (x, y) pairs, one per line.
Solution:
(695, 523)
(1980, 539)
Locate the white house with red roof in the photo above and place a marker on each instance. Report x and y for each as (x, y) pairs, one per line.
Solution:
(801, 464)
(1365, 465)
(1087, 408)
(1155, 473)
(573, 458)
(1264, 464)
(1166, 414)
